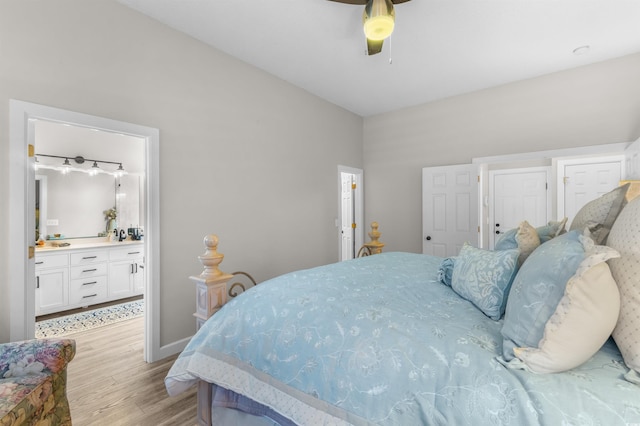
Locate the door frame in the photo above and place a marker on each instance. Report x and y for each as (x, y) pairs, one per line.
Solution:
(358, 214)
(22, 215)
(490, 206)
(560, 164)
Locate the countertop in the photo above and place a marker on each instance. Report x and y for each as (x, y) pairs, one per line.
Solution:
(81, 245)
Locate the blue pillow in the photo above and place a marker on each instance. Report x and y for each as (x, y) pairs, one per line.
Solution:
(537, 289)
(484, 277)
(551, 230)
(445, 271)
(546, 233)
(507, 240)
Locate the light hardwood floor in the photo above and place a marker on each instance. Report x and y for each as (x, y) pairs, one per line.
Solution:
(110, 384)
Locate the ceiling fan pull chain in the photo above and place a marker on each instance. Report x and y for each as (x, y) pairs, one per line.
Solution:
(390, 58)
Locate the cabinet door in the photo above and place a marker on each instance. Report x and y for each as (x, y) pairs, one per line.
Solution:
(52, 291)
(138, 278)
(120, 279)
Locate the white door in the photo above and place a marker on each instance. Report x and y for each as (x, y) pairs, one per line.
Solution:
(516, 195)
(632, 161)
(351, 214)
(584, 180)
(347, 222)
(449, 208)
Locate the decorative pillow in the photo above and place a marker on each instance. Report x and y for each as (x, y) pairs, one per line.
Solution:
(527, 239)
(507, 240)
(583, 319)
(625, 237)
(599, 215)
(551, 230)
(445, 271)
(484, 278)
(537, 289)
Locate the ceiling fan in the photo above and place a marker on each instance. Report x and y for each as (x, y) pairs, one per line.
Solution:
(378, 21)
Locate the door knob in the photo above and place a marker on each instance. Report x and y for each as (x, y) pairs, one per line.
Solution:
(428, 238)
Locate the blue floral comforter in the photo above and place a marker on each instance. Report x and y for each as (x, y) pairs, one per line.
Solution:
(378, 340)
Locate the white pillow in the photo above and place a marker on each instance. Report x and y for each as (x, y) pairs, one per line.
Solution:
(583, 319)
(625, 237)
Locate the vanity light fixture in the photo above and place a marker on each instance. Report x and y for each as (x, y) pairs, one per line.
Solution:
(120, 172)
(66, 166)
(93, 170)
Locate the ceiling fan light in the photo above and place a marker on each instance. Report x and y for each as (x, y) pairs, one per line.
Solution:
(379, 19)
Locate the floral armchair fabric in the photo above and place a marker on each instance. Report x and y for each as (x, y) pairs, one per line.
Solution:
(33, 376)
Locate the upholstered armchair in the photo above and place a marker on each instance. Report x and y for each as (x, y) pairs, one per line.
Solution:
(33, 376)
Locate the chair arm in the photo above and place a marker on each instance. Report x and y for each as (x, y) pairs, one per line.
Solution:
(35, 356)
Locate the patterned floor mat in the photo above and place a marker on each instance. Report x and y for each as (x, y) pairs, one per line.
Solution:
(75, 323)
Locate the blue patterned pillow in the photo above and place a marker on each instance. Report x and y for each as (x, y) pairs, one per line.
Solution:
(445, 271)
(507, 240)
(484, 277)
(551, 230)
(537, 289)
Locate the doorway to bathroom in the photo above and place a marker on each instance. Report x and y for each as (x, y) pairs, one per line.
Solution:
(89, 230)
(24, 118)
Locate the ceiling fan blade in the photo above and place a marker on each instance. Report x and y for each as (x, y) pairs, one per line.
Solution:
(361, 2)
(399, 1)
(374, 46)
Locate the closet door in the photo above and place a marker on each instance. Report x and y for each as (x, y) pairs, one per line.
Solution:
(516, 195)
(583, 180)
(449, 209)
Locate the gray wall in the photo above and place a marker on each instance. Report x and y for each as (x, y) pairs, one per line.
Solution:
(254, 159)
(242, 153)
(591, 105)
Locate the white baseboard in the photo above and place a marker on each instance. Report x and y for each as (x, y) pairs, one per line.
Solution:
(174, 347)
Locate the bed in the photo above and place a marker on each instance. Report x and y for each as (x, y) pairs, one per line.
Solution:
(512, 336)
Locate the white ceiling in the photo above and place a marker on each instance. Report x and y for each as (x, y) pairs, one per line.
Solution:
(440, 48)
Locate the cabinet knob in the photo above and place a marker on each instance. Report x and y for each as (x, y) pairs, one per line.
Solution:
(497, 232)
(428, 238)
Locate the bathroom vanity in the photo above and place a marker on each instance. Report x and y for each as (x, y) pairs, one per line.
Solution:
(84, 274)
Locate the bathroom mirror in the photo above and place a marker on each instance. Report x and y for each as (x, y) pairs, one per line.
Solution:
(72, 205)
(70, 201)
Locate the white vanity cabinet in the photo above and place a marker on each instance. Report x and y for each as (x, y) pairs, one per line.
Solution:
(52, 277)
(88, 278)
(126, 272)
(69, 278)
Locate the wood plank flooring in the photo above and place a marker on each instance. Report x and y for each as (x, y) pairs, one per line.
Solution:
(110, 384)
